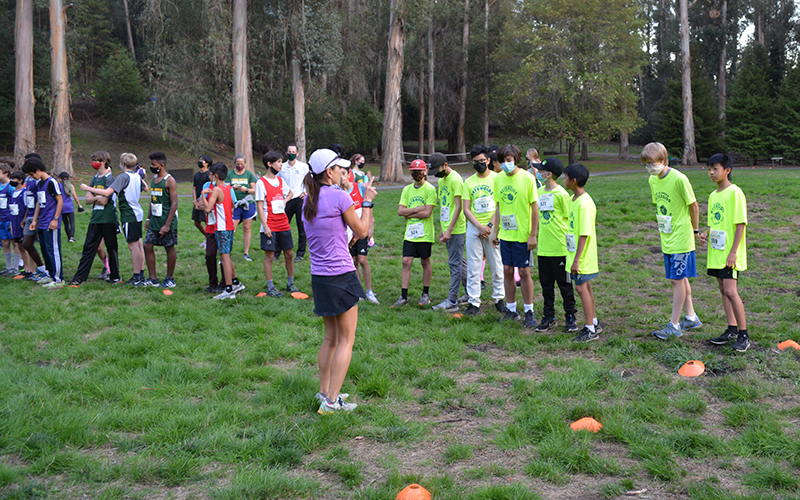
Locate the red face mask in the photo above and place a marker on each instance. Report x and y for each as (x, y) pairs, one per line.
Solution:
(96, 165)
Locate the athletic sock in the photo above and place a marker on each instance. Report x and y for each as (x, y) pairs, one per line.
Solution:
(229, 288)
(270, 285)
(9, 259)
(512, 306)
(591, 328)
(742, 332)
(692, 317)
(369, 291)
(404, 293)
(18, 261)
(733, 328)
(235, 281)
(594, 322)
(528, 307)
(677, 327)
(425, 289)
(41, 269)
(290, 281)
(105, 263)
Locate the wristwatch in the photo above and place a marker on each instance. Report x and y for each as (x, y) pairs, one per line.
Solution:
(367, 204)
(490, 225)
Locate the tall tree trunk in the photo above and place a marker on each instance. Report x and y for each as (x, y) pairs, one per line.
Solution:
(689, 152)
(243, 141)
(298, 90)
(431, 95)
(486, 77)
(571, 153)
(59, 83)
(624, 143)
(723, 64)
(421, 98)
(128, 29)
(25, 127)
(584, 151)
(392, 142)
(461, 147)
(376, 97)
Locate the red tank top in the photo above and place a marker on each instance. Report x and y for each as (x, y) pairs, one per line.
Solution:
(211, 218)
(224, 210)
(355, 194)
(275, 206)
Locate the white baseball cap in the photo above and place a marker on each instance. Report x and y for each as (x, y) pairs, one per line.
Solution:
(323, 159)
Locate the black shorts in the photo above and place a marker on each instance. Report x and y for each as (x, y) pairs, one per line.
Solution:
(420, 249)
(198, 215)
(280, 240)
(168, 240)
(361, 247)
(132, 231)
(17, 240)
(724, 274)
(335, 295)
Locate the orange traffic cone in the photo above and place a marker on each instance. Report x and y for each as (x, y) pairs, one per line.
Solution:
(414, 492)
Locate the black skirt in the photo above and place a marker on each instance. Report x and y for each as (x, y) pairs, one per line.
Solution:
(335, 295)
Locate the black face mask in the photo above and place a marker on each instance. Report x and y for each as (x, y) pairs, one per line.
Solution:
(155, 170)
(200, 163)
(418, 175)
(479, 166)
(14, 183)
(439, 173)
(275, 172)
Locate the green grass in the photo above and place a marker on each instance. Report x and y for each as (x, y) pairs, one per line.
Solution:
(125, 393)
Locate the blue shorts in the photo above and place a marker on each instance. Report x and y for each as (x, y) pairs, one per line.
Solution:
(5, 230)
(240, 213)
(680, 265)
(580, 279)
(515, 254)
(224, 242)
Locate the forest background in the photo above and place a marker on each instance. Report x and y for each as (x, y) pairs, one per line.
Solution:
(465, 72)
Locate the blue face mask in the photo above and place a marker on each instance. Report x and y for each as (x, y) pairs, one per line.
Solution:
(539, 177)
(508, 167)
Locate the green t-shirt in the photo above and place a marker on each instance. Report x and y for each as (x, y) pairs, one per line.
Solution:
(553, 221)
(160, 204)
(515, 194)
(582, 215)
(479, 192)
(104, 214)
(450, 187)
(419, 230)
(243, 179)
(726, 209)
(672, 195)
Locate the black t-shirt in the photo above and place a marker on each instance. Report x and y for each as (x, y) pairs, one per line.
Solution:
(200, 178)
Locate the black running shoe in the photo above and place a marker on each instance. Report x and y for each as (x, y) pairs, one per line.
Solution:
(546, 324)
(509, 316)
(530, 320)
(586, 335)
(723, 339)
(472, 311)
(742, 342)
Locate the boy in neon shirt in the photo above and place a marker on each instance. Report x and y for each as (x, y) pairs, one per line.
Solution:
(220, 202)
(582, 247)
(678, 217)
(479, 210)
(272, 193)
(554, 202)
(453, 226)
(515, 197)
(416, 205)
(727, 247)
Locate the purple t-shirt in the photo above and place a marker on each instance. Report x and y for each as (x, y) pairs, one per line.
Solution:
(327, 234)
(18, 211)
(48, 190)
(31, 187)
(5, 195)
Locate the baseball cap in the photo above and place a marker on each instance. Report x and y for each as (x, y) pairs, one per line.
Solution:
(437, 160)
(323, 159)
(417, 165)
(552, 165)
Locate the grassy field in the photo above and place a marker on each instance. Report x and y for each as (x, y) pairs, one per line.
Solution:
(116, 393)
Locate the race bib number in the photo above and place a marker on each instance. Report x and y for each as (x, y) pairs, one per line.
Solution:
(30, 201)
(571, 247)
(414, 231)
(155, 209)
(278, 206)
(42, 198)
(3, 203)
(508, 222)
(484, 204)
(212, 218)
(717, 239)
(664, 224)
(547, 203)
(444, 214)
(14, 209)
(98, 207)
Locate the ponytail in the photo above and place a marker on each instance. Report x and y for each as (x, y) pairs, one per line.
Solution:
(312, 184)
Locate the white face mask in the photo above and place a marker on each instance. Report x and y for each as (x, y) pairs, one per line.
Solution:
(653, 169)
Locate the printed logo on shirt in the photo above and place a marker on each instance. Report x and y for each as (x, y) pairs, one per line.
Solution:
(662, 210)
(482, 190)
(444, 195)
(661, 195)
(572, 221)
(546, 216)
(718, 213)
(508, 194)
(156, 192)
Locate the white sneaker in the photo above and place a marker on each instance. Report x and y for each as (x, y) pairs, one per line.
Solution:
(225, 295)
(327, 407)
(446, 306)
(372, 298)
(203, 244)
(238, 288)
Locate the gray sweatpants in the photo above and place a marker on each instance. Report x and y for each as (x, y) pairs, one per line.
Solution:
(458, 265)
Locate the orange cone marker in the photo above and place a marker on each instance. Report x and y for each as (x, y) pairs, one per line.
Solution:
(300, 295)
(586, 424)
(787, 344)
(167, 292)
(413, 492)
(692, 368)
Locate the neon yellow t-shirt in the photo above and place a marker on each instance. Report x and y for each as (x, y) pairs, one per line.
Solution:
(479, 192)
(450, 187)
(582, 215)
(515, 194)
(672, 195)
(726, 209)
(553, 220)
(419, 230)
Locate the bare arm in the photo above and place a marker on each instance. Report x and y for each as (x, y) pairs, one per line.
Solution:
(172, 186)
(737, 240)
(578, 253)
